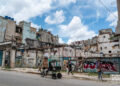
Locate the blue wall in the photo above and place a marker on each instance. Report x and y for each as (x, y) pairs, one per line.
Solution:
(27, 33)
(3, 24)
(1, 55)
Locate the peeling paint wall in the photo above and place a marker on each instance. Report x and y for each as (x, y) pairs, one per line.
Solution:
(3, 26)
(7, 29)
(118, 24)
(29, 59)
(27, 32)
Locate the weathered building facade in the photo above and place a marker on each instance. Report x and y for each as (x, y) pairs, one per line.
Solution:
(27, 31)
(7, 37)
(118, 23)
(46, 36)
(102, 45)
(7, 29)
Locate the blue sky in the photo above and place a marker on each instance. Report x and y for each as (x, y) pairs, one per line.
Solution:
(72, 20)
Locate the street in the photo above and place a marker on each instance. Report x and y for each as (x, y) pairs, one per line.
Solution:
(10, 78)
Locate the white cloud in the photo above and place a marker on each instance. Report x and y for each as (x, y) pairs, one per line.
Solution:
(61, 41)
(112, 18)
(76, 30)
(26, 9)
(56, 18)
(65, 2)
(50, 29)
(96, 6)
(107, 3)
(35, 26)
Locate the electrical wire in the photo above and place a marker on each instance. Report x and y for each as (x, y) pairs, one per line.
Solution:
(101, 2)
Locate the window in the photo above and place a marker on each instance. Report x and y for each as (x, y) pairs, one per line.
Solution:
(101, 48)
(103, 36)
(105, 47)
(109, 51)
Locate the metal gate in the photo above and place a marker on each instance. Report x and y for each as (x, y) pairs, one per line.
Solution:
(1, 54)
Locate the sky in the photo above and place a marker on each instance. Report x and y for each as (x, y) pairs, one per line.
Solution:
(71, 20)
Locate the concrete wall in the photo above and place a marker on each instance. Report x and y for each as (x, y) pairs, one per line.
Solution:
(10, 31)
(29, 58)
(3, 27)
(110, 46)
(27, 33)
(7, 29)
(104, 38)
(46, 36)
(118, 24)
(12, 58)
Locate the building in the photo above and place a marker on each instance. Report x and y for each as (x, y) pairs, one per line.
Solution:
(117, 34)
(7, 29)
(46, 36)
(27, 31)
(102, 45)
(7, 37)
(118, 24)
(106, 45)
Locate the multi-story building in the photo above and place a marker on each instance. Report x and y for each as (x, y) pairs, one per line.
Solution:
(106, 45)
(46, 36)
(101, 45)
(117, 34)
(27, 31)
(118, 24)
(7, 35)
(7, 29)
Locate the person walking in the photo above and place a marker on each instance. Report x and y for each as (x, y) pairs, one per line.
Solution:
(70, 68)
(67, 68)
(100, 74)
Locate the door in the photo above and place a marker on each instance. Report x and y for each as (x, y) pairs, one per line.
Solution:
(1, 54)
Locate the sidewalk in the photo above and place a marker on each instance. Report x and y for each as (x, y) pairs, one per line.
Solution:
(84, 76)
(65, 75)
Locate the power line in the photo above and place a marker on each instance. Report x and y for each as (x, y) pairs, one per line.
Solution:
(101, 2)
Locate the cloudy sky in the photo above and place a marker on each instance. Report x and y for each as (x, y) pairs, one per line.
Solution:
(72, 20)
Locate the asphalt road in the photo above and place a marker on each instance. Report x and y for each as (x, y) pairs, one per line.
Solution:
(10, 78)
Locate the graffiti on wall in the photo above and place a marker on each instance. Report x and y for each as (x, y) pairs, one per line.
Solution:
(106, 65)
(89, 66)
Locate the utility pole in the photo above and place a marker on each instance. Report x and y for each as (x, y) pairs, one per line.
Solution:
(118, 24)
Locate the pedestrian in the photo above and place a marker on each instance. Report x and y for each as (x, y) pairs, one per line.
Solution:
(67, 68)
(100, 74)
(70, 68)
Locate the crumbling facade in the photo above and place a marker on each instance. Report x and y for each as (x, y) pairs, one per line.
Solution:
(46, 36)
(7, 29)
(102, 45)
(14, 51)
(118, 23)
(106, 45)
